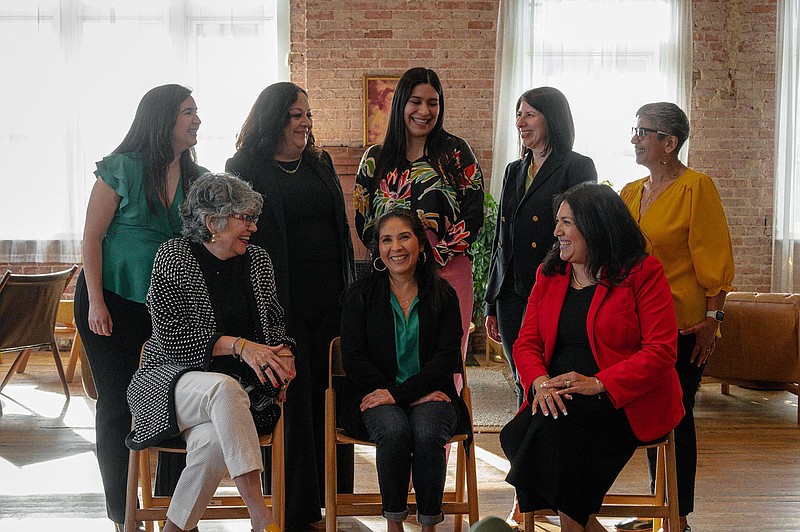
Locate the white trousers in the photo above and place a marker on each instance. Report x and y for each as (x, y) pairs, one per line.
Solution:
(213, 414)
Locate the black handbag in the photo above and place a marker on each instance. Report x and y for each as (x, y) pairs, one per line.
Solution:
(263, 405)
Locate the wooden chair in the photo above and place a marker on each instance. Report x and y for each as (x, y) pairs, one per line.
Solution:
(154, 508)
(369, 504)
(28, 306)
(65, 326)
(662, 504)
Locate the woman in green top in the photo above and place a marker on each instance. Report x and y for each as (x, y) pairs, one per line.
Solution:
(133, 209)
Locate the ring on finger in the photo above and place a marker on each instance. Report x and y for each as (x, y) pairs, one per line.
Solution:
(567, 383)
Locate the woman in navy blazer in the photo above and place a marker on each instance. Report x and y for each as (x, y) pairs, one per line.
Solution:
(524, 231)
(401, 347)
(598, 342)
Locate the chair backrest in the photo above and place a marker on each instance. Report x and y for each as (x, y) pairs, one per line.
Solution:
(28, 306)
(335, 361)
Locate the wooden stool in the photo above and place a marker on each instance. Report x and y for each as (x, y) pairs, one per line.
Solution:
(662, 504)
(154, 508)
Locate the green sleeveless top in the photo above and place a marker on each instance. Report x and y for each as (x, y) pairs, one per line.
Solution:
(135, 233)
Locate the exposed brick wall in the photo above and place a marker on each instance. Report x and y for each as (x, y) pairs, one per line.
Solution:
(733, 122)
(345, 40)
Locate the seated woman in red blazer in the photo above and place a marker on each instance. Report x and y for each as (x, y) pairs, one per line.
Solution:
(596, 356)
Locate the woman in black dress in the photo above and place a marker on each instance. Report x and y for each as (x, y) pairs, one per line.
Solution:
(597, 343)
(305, 231)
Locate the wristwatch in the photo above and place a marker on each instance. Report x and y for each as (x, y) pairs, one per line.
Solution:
(716, 314)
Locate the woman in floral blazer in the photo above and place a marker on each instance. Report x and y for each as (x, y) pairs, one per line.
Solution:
(422, 167)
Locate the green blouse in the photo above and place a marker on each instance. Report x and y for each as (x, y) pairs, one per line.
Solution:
(406, 339)
(135, 233)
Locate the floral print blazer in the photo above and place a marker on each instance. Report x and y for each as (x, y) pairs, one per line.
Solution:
(451, 208)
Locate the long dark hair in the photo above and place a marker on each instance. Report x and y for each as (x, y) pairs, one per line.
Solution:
(429, 283)
(614, 242)
(262, 130)
(438, 143)
(552, 103)
(151, 135)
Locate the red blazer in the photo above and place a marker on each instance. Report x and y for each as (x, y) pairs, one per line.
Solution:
(633, 334)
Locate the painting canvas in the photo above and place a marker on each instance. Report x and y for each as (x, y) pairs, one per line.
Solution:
(378, 93)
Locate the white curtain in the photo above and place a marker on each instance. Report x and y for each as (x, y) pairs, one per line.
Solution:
(787, 142)
(614, 57)
(71, 75)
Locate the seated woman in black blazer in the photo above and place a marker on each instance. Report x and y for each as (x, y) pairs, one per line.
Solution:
(401, 346)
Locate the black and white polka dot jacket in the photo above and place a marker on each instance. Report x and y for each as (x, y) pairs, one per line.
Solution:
(184, 333)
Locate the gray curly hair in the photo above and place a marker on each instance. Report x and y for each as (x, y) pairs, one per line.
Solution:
(217, 196)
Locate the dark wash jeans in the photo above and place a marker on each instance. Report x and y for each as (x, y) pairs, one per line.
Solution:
(409, 440)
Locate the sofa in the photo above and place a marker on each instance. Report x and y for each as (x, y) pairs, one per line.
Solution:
(760, 343)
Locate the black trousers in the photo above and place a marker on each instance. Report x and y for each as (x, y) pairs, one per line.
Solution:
(313, 327)
(685, 434)
(114, 359)
(510, 309)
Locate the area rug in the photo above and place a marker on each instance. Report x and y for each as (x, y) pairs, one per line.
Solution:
(493, 398)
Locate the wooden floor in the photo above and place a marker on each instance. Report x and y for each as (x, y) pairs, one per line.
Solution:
(748, 477)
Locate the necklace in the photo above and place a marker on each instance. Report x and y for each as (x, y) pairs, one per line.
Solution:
(580, 284)
(296, 168)
(655, 191)
(408, 296)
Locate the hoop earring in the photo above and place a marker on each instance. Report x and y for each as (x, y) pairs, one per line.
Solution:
(663, 163)
(375, 264)
(424, 258)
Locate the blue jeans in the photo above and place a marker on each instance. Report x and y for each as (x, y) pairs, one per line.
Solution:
(411, 439)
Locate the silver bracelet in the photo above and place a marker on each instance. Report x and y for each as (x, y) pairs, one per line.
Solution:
(233, 348)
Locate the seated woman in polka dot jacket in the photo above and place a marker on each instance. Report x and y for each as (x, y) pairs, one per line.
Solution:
(211, 295)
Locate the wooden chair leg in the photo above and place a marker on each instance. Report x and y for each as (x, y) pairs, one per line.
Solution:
(132, 491)
(26, 354)
(74, 355)
(12, 369)
(672, 483)
(461, 475)
(87, 379)
(279, 475)
(60, 368)
(330, 461)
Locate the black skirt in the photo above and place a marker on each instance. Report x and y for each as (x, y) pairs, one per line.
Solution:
(568, 464)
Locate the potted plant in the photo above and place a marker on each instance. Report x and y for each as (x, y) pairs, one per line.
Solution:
(481, 251)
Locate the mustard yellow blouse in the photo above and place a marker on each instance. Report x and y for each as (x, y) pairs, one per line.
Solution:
(687, 231)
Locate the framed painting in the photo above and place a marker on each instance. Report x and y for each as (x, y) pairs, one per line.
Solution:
(378, 94)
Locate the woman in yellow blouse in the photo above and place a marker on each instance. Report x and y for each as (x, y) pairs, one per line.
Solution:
(680, 213)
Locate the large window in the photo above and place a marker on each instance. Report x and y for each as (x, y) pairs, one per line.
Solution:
(614, 57)
(785, 273)
(72, 73)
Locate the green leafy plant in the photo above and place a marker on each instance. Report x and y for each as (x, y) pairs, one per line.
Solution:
(481, 251)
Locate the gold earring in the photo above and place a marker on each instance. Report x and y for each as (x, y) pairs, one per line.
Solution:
(213, 237)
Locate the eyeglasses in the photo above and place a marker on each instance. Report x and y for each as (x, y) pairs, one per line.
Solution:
(246, 218)
(642, 132)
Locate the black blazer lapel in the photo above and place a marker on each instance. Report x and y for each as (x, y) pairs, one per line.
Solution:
(550, 167)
